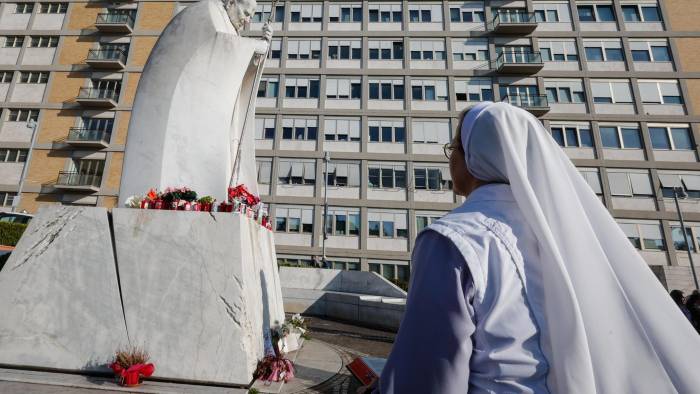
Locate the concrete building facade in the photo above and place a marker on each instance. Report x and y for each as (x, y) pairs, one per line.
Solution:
(379, 86)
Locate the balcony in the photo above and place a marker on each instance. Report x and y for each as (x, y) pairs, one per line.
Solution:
(106, 58)
(71, 180)
(536, 104)
(114, 23)
(514, 22)
(78, 136)
(102, 98)
(519, 62)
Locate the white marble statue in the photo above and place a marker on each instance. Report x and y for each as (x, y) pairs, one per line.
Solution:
(195, 104)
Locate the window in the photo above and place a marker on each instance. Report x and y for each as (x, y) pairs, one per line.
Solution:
(423, 220)
(387, 175)
(673, 137)
(264, 128)
(263, 12)
(387, 130)
(53, 8)
(629, 183)
(520, 95)
(650, 51)
(296, 172)
(345, 13)
(432, 178)
(24, 8)
(572, 135)
(44, 42)
(345, 50)
(342, 129)
(424, 13)
(5, 76)
(644, 235)
(427, 131)
(343, 89)
(7, 199)
(596, 13)
(343, 174)
(558, 50)
(264, 168)
(603, 50)
(343, 221)
(386, 89)
(679, 242)
(564, 91)
(592, 178)
(299, 129)
(98, 124)
(275, 49)
(429, 89)
(641, 13)
(13, 155)
(621, 137)
(689, 181)
(473, 90)
(611, 92)
(269, 87)
(552, 12)
(14, 41)
(34, 77)
(22, 115)
(468, 13)
(296, 261)
(427, 50)
(660, 92)
(385, 13)
(306, 13)
(470, 50)
(294, 219)
(303, 49)
(387, 224)
(385, 50)
(301, 87)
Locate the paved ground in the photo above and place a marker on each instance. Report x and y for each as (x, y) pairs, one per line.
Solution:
(333, 345)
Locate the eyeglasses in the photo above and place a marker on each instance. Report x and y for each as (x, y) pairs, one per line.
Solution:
(448, 149)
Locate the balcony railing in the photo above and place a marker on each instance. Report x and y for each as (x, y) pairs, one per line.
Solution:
(88, 137)
(535, 103)
(115, 23)
(75, 180)
(519, 62)
(98, 97)
(514, 22)
(106, 58)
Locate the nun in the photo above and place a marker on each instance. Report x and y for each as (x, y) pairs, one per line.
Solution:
(530, 286)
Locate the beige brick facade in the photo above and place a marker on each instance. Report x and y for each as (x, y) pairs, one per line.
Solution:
(683, 14)
(155, 16)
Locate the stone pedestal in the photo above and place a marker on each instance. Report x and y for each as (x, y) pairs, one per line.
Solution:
(196, 290)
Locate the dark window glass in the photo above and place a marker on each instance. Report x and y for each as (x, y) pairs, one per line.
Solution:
(455, 15)
(279, 14)
(631, 138)
(357, 14)
(400, 177)
(558, 135)
(374, 133)
(606, 13)
(539, 16)
(681, 138)
(374, 91)
(415, 55)
(399, 134)
(651, 14)
(287, 133)
(414, 16)
(314, 88)
(374, 179)
(374, 15)
(387, 134)
(386, 91)
(672, 100)
(630, 13)
(417, 92)
(609, 137)
(419, 178)
(356, 91)
(281, 224)
(586, 138)
(388, 229)
(425, 16)
(398, 50)
(659, 138)
(661, 53)
(398, 92)
(373, 227)
(585, 13)
(571, 138)
(296, 17)
(641, 56)
(594, 54)
(614, 54)
(387, 177)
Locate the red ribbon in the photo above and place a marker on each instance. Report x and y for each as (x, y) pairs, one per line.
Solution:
(242, 192)
(132, 375)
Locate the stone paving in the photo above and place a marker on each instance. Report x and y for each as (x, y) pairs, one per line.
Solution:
(346, 342)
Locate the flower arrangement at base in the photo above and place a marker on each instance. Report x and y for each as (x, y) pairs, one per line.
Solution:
(297, 323)
(274, 368)
(206, 203)
(179, 198)
(131, 365)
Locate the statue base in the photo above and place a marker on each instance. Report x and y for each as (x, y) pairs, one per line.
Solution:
(198, 291)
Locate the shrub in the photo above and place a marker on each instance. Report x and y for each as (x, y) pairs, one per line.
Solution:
(10, 233)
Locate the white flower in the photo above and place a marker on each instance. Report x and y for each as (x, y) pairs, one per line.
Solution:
(133, 201)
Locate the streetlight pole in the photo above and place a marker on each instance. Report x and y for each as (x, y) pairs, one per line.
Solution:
(679, 192)
(326, 159)
(15, 203)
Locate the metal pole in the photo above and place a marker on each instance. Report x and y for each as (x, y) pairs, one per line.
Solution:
(15, 203)
(326, 159)
(685, 237)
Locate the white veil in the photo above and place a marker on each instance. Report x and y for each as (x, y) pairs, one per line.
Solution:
(608, 325)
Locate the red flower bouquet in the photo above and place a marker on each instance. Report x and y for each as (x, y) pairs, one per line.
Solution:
(241, 193)
(274, 368)
(130, 366)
